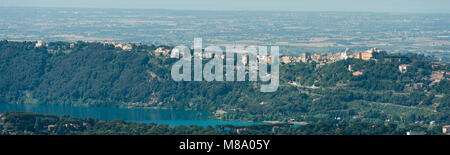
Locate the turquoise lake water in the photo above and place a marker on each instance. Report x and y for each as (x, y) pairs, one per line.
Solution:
(139, 115)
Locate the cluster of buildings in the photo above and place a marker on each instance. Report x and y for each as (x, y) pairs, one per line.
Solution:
(123, 46)
(436, 76)
(67, 126)
(305, 57)
(323, 59)
(161, 51)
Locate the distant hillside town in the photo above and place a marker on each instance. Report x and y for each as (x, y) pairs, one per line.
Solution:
(305, 57)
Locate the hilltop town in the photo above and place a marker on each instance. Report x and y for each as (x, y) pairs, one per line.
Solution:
(305, 57)
(317, 59)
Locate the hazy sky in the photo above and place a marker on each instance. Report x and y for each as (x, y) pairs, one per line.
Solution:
(419, 6)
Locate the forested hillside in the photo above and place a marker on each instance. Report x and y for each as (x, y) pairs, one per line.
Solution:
(98, 74)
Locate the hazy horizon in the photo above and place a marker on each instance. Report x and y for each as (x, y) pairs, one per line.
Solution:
(394, 6)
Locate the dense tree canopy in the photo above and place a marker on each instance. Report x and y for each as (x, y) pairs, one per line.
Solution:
(25, 123)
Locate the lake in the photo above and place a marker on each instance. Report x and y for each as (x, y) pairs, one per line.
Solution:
(139, 115)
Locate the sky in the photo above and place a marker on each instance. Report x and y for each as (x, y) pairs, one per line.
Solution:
(401, 6)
